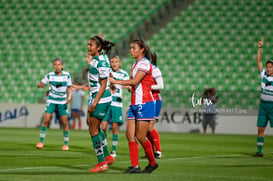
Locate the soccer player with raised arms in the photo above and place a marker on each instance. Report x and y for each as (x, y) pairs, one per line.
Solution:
(265, 113)
(58, 98)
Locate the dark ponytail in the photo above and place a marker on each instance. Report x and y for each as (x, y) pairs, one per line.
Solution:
(154, 58)
(147, 53)
(104, 44)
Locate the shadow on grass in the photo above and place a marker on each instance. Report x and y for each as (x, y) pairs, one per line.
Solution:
(75, 170)
(267, 156)
(84, 168)
(57, 148)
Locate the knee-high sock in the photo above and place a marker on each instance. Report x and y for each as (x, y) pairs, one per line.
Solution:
(114, 142)
(43, 131)
(104, 143)
(134, 149)
(260, 144)
(66, 137)
(96, 140)
(156, 140)
(147, 146)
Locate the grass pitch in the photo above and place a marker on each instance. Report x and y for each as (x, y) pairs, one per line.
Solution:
(186, 156)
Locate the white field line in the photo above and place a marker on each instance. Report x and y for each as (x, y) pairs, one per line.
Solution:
(141, 160)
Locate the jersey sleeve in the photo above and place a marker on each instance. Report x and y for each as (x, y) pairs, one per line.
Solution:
(143, 66)
(103, 69)
(45, 80)
(159, 84)
(156, 73)
(69, 81)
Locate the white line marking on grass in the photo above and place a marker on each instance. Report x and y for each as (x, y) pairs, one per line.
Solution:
(197, 157)
(27, 168)
(141, 160)
(188, 158)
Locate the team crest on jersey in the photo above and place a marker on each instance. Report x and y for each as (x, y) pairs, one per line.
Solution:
(103, 64)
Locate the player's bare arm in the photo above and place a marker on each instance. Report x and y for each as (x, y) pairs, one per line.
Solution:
(259, 55)
(132, 82)
(68, 99)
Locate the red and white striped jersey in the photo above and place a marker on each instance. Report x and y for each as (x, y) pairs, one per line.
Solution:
(156, 73)
(141, 93)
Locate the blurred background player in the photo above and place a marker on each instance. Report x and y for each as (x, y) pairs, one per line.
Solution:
(76, 107)
(265, 113)
(141, 110)
(209, 100)
(114, 114)
(157, 85)
(58, 98)
(100, 99)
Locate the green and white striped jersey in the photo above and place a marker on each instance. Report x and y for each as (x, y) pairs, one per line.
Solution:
(266, 86)
(57, 86)
(99, 68)
(117, 96)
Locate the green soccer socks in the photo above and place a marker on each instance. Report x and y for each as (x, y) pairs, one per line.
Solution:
(66, 137)
(260, 144)
(43, 131)
(97, 145)
(104, 143)
(115, 138)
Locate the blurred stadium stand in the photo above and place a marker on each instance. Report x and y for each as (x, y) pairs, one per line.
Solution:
(213, 43)
(200, 44)
(34, 32)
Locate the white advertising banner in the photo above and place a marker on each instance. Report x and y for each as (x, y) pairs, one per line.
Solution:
(20, 115)
(229, 121)
(27, 116)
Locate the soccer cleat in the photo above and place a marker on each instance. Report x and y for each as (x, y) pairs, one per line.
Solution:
(40, 145)
(109, 160)
(113, 154)
(257, 154)
(133, 170)
(65, 147)
(158, 154)
(150, 168)
(100, 167)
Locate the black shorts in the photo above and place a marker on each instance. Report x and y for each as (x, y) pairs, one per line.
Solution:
(209, 119)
